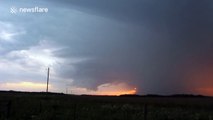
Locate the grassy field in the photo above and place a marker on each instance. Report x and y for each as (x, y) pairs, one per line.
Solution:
(41, 106)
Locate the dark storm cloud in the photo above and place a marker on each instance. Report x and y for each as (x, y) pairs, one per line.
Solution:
(158, 46)
(151, 51)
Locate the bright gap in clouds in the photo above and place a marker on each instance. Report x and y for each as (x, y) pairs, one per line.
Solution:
(39, 55)
(24, 86)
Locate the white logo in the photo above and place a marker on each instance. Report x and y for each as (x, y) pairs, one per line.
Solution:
(36, 9)
(13, 10)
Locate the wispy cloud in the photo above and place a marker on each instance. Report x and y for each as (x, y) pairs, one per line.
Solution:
(8, 32)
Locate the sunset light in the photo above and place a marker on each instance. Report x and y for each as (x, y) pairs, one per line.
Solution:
(200, 78)
(106, 59)
(107, 89)
(119, 92)
(24, 86)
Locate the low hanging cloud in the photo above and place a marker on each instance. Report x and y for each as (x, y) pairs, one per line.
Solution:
(148, 48)
(105, 89)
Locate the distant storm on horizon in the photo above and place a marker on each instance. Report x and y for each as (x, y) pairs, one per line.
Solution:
(107, 47)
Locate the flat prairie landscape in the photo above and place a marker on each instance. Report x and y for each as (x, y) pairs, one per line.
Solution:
(52, 106)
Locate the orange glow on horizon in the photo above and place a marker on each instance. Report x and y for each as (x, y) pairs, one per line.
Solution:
(114, 89)
(200, 78)
(107, 89)
(205, 91)
(117, 93)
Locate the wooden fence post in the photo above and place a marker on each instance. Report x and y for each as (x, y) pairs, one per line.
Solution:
(8, 109)
(40, 107)
(75, 110)
(145, 111)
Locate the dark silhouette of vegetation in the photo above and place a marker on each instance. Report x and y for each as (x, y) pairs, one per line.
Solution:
(57, 106)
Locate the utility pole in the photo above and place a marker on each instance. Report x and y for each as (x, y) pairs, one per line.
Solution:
(66, 90)
(48, 77)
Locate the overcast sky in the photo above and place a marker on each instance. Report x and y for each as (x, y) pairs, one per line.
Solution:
(108, 46)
